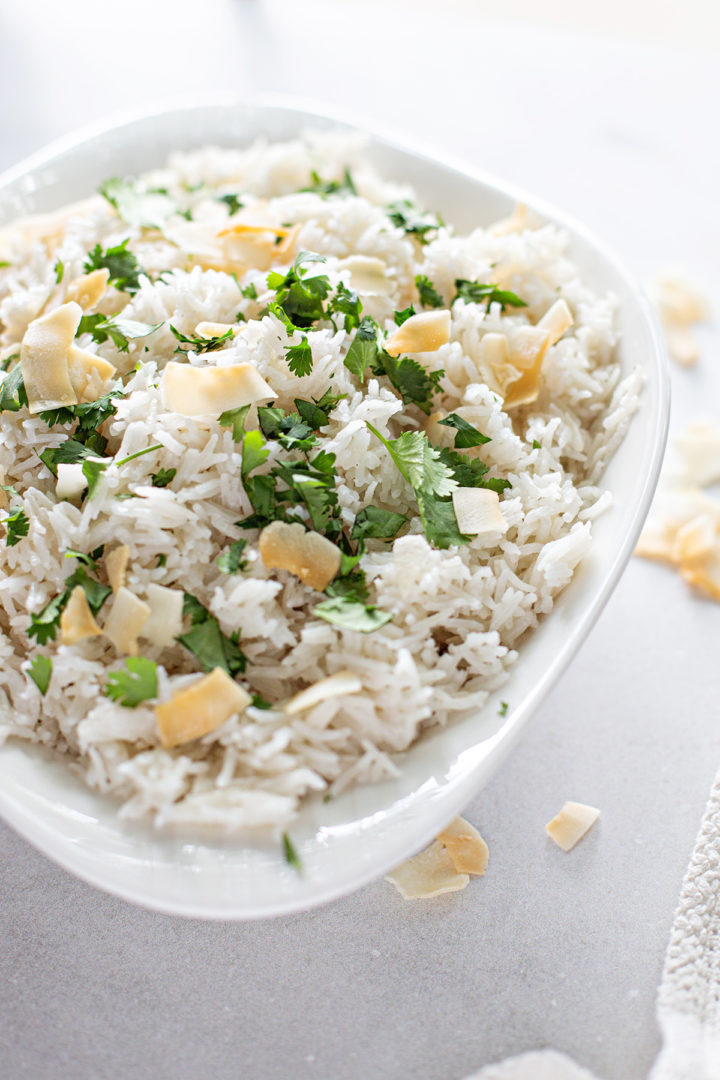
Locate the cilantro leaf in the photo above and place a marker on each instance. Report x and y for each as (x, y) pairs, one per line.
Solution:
(235, 419)
(40, 672)
(120, 331)
(18, 526)
(254, 452)
(148, 209)
(401, 317)
(414, 383)
(5, 364)
(376, 523)
(68, 452)
(363, 350)
(124, 268)
(206, 641)
(471, 472)
(352, 615)
(89, 416)
(92, 471)
(200, 344)
(59, 269)
(249, 292)
(300, 358)
(466, 434)
(406, 216)
(475, 292)
(136, 684)
(429, 296)
(232, 202)
(44, 624)
(324, 188)
(316, 414)
(12, 391)
(162, 477)
(89, 560)
(297, 296)
(346, 302)
(259, 702)
(231, 560)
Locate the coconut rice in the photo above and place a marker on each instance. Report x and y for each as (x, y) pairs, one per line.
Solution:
(456, 614)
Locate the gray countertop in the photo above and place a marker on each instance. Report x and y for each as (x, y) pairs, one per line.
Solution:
(547, 949)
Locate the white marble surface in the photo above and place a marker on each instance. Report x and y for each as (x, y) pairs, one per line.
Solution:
(547, 949)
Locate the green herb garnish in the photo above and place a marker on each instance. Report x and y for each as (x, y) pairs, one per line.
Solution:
(206, 641)
(232, 202)
(162, 477)
(59, 269)
(147, 209)
(298, 296)
(429, 296)
(466, 435)
(406, 216)
(249, 292)
(12, 391)
(40, 671)
(401, 317)
(124, 268)
(136, 684)
(352, 615)
(299, 358)
(324, 188)
(200, 344)
(120, 331)
(44, 624)
(475, 292)
(231, 560)
(18, 526)
(375, 523)
(291, 856)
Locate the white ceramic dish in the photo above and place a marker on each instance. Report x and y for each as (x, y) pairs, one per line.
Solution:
(355, 838)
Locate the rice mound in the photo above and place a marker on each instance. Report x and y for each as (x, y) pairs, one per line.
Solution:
(457, 614)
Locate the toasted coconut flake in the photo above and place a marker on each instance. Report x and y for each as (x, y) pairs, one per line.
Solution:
(679, 301)
(695, 540)
(127, 617)
(683, 346)
(116, 561)
(311, 557)
(516, 222)
(337, 685)
(673, 513)
(71, 481)
(89, 374)
(88, 289)
(431, 873)
(421, 333)
(255, 232)
(198, 709)
(166, 612)
(76, 621)
(571, 824)
(527, 352)
(556, 320)
(44, 360)
(703, 573)
(698, 447)
(368, 274)
(214, 329)
(466, 847)
(478, 512)
(201, 391)
(49, 229)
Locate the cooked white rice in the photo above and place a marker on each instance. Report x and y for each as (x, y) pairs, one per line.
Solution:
(457, 614)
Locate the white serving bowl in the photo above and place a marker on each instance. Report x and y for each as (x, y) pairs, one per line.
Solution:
(356, 837)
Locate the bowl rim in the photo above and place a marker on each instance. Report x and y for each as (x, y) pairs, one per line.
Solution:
(498, 745)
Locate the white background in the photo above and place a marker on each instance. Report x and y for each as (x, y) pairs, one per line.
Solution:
(609, 111)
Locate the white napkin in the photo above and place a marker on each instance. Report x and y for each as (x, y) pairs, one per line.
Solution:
(689, 997)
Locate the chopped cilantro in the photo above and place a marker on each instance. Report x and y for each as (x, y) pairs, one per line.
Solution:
(44, 624)
(431, 480)
(503, 710)
(232, 202)
(352, 615)
(120, 331)
(401, 317)
(5, 364)
(299, 358)
(471, 472)
(162, 560)
(291, 856)
(92, 471)
(139, 453)
(536, 445)
(231, 560)
(89, 560)
(466, 435)
(406, 216)
(317, 413)
(124, 268)
(148, 209)
(413, 382)
(201, 344)
(346, 302)
(40, 672)
(259, 702)
(68, 452)
(429, 296)
(4, 263)
(475, 292)
(363, 350)
(90, 416)
(298, 296)
(18, 526)
(375, 523)
(59, 269)
(162, 477)
(136, 684)
(324, 188)
(12, 391)
(250, 292)
(235, 419)
(206, 641)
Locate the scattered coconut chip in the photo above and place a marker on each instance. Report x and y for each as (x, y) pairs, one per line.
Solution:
(420, 333)
(201, 391)
(87, 290)
(478, 512)
(127, 617)
(76, 621)
(166, 613)
(368, 274)
(198, 709)
(698, 448)
(431, 873)
(680, 305)
(466, 847)
(43, 358)
(527, 349)
(307, 554)
(516, 222)
(116, 561)
(703, 573)
(682, 345)
(89, 374)
(571, 824)
(214, 329)
(337, 685)
(71, 480)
